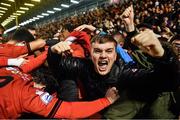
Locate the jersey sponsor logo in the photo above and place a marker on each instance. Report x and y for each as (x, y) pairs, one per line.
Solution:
(44, 96)
(24, 76)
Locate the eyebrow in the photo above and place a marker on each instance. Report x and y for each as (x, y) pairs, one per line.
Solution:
(105, 49)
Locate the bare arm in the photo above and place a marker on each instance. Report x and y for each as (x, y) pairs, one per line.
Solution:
(39, 43)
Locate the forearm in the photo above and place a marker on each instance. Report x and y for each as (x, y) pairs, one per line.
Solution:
(34, 63)
(34, 45)
(4, 61)
(81, 109)
(128, 43)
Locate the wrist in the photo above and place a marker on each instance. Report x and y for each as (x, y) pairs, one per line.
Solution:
(130, 28)
(97, 31)
(51, 42)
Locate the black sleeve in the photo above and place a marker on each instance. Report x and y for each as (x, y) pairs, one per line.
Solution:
(127, 43)
(66, 67)
(163, 76)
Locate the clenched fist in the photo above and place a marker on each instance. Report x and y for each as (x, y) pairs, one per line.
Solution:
(148, 43)
(62, 48)
(112, 94)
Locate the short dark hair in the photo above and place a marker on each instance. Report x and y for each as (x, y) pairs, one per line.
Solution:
(146, 25)
(30, 27)
(103, 39)
(69, 27)
(22, 34)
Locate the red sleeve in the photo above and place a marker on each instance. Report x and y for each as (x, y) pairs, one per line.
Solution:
(81, 109)
(33, 100)
(34, 62)
(3, 61)
(41, 103)
(81, 35)
(13, 51)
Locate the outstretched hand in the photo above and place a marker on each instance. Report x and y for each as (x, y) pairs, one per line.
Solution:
(148, 43)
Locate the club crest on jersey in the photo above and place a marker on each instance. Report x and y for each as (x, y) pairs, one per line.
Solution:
(44, 96)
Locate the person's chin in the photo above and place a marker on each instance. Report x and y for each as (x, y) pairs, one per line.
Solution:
(103, 72)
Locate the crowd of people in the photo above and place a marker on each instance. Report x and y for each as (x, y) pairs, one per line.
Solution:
(117, 61)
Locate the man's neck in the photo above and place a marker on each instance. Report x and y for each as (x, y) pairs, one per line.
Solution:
(11, 42)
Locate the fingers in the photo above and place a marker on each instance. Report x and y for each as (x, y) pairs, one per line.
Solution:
(24, 62)
(112, 94)
(127, 12)
(149, 43)
(62, 48)
(80, 28)
(142, 38)
(22, 56)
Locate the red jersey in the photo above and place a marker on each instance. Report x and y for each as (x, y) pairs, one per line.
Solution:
(3, 61)
(19, 96)
(13, 51)
(32, 64)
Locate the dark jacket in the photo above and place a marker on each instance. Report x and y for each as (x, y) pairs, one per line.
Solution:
(143, 84)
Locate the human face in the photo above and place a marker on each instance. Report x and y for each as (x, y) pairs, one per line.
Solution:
(103, 56)
(1, 35)
(33, 32)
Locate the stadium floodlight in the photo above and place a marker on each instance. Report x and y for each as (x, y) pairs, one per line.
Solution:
(49, 11)
(11, 0)
(32, 19)
(65, 5)
(3, 8)
(36, 0)
(57, 9)
(13, 16)
(29, 4)
(40, 16)
(5, 4)
(21, 24)
(35, 18)
(24, 8)
(75, 2)
(20, 11)
(45, 14)
(1, 11)
(16, 14)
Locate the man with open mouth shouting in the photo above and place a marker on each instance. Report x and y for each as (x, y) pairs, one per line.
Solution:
(104, 69)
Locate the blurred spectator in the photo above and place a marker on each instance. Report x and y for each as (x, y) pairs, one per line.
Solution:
(2, 29)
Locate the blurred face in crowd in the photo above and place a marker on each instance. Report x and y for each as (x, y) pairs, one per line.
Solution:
(65, 33)
(103, 56)
(33, 32)
(176, 44)
(1, 34)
